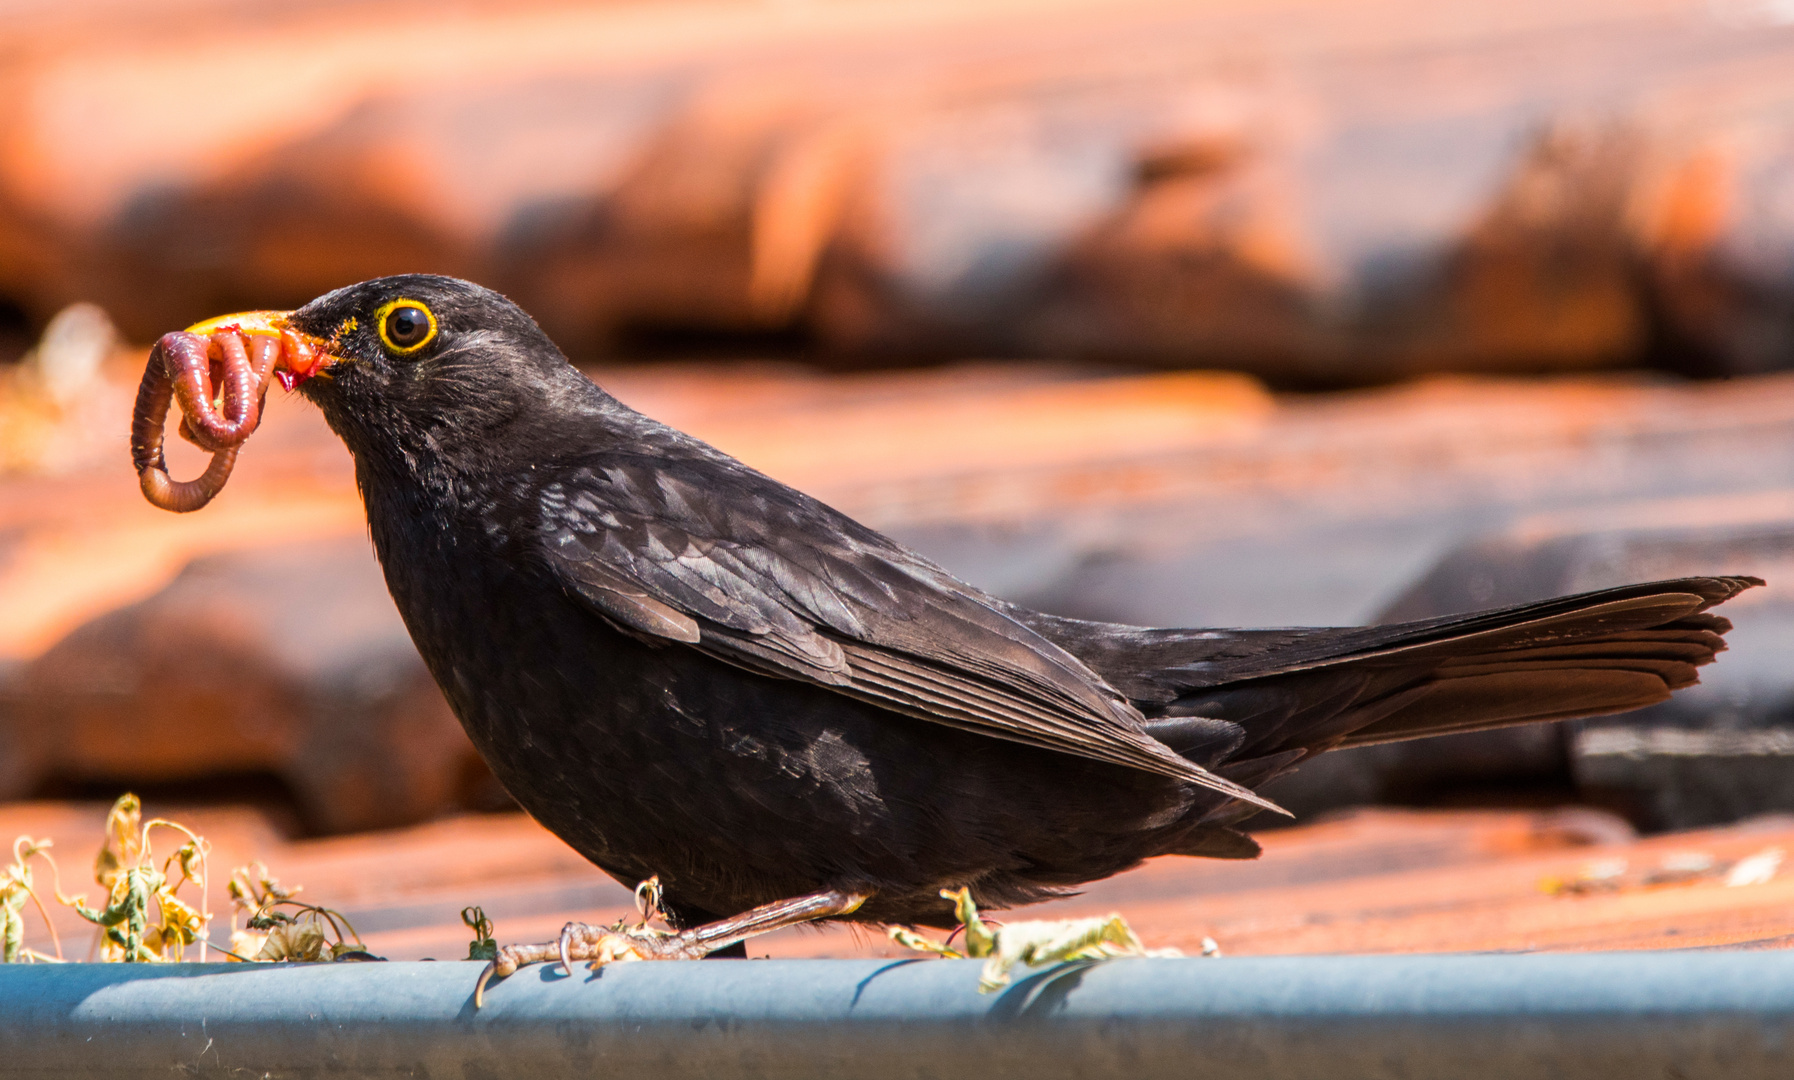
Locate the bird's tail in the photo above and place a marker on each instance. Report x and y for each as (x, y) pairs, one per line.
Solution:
(1250, 703)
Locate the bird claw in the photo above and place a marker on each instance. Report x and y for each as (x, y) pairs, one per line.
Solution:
(616, 944)
(599, 945)
(620, 943)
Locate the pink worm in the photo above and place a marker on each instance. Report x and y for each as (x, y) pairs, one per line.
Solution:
(220, 380)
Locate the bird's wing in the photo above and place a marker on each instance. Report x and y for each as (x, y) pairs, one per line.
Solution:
(710, 554)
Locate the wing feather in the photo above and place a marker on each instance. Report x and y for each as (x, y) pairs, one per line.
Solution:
(795, 590)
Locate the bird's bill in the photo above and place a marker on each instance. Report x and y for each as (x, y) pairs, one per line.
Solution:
(301, 355)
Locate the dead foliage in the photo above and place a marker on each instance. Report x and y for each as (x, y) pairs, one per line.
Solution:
(1032, 944)
(145, 918)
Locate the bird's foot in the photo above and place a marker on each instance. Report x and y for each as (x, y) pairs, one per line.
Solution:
(619, 943)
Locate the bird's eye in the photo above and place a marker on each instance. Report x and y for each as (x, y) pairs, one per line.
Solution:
(406, 326)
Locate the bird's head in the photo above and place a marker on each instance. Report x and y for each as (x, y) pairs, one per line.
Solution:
(402, 363)
(424, 377)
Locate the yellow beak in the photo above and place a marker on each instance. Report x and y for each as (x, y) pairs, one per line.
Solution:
(245, 322)
(301, 355)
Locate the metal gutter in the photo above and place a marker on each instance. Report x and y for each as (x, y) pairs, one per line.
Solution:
(1592, 1016)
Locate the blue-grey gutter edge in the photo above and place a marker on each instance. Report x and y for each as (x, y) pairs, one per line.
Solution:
(1592, 1016)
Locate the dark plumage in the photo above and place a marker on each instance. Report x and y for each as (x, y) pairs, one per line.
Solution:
(685, 668)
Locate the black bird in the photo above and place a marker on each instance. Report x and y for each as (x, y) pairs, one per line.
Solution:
(687, 669)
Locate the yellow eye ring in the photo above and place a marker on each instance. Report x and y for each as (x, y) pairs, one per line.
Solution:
(397, 333)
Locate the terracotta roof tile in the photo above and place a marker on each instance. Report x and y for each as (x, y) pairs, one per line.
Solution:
(1371, 881)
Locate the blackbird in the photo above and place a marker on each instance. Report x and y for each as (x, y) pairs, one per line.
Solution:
(686, 669)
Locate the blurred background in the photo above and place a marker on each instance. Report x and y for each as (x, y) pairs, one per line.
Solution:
(1217, 313)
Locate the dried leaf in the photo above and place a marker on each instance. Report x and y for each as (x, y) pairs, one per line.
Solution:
(12, 932)
(123, 844)
(246, 945)
(1034, 944)
(307, 933)
(15, 889)
(484, 946)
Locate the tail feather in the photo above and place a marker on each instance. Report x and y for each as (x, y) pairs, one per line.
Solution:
(1252, 702)
(1504, 698)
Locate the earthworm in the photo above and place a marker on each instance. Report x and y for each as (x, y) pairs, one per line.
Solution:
(219, 380)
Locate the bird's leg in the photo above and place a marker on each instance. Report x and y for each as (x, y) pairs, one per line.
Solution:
(609, 944)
